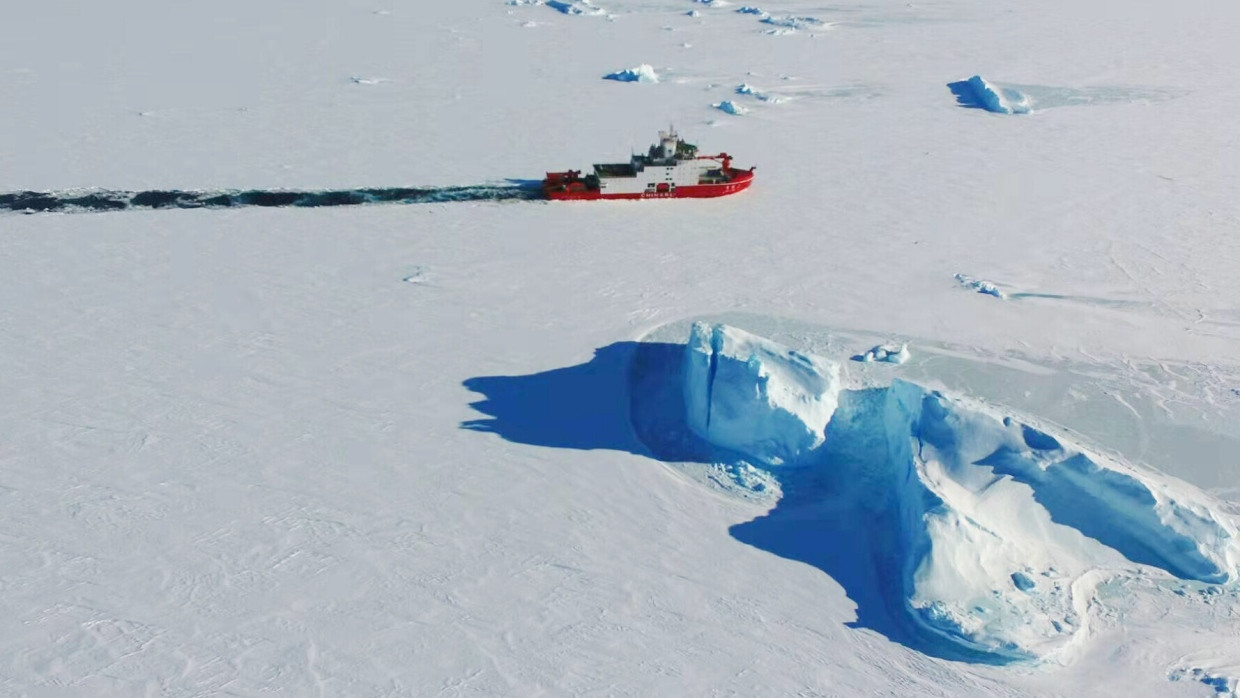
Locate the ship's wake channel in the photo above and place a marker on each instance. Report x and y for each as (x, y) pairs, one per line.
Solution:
(95, 200)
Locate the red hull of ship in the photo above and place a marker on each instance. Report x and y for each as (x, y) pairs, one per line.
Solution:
(741, 179)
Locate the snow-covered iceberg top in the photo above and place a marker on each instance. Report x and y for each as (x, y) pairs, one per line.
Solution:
(751, 395)
(993, 534)
(642, 73)
(1006, 529)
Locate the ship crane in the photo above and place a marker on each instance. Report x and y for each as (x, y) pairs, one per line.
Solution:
(722, 157)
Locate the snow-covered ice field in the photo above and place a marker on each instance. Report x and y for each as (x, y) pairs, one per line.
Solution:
(441, 447)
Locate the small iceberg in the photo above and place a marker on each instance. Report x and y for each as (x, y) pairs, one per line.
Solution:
(886, 353)
(790, 22)
(747, 89)
(575, 7)
(977, 93)
(642, 73)
(731, 107)
(980, 285)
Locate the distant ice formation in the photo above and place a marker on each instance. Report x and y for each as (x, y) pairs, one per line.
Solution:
(731, 107)
(790, 22)
(575, 7)
(747, 89)
(642, 73)
(993, 534)
(980, 285)
(751, 10)
(978, 93)
(888, 353)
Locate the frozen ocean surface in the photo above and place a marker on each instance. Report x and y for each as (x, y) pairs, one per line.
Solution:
(261, 438)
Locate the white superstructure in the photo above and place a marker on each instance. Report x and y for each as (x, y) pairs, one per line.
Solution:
(670, 164)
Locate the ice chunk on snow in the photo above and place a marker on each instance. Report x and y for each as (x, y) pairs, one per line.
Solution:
(751, 10)
(746, 89)
(977, 92)
(642, 73)
(575, 7)
(731, 107)
(979, 285)
(754, 396)
(889, 353)
(790, 22)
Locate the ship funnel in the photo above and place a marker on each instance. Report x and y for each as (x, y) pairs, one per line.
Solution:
(669, 140)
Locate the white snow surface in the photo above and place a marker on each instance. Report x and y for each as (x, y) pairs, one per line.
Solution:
(241, 455)
(754, 396)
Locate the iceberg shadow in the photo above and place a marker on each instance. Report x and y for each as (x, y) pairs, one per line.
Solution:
(584, 407)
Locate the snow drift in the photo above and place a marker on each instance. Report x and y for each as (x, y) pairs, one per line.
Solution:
(992, 533)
